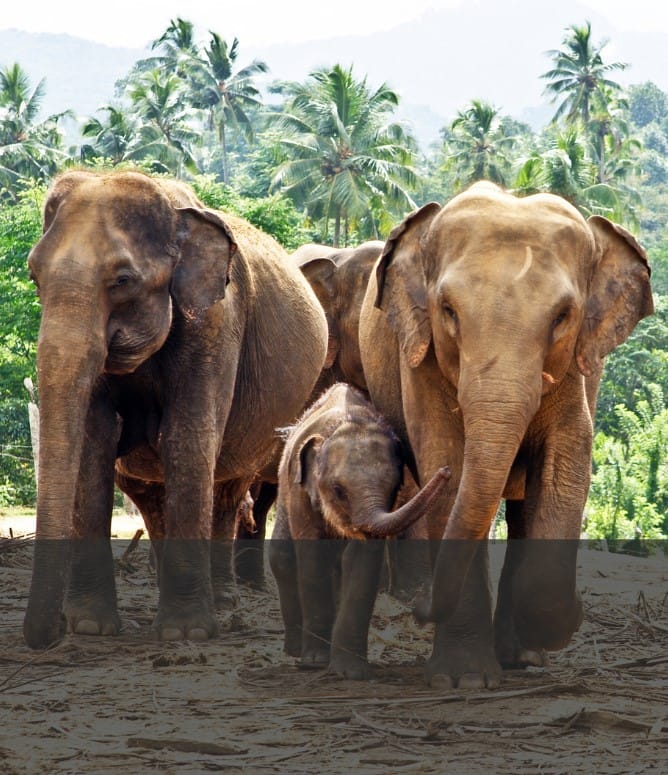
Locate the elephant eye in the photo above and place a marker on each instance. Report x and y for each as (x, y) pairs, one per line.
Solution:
(449, 311)
(339, 492)
(559, 319)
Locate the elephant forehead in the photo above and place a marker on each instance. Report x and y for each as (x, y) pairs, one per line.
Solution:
(132, 204)
(352, 445)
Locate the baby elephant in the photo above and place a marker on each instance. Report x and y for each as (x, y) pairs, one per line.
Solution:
(338, 479)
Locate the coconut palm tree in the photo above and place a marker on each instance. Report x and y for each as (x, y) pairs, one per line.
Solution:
(165, 135)
(345, 160)
(478, 145)
(29, 149)
(112, 137)
(227, 97)
(579, 74)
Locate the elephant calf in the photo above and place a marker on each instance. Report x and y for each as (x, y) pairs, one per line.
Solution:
(338, 478)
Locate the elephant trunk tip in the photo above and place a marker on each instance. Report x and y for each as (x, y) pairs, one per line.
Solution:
(386, 524)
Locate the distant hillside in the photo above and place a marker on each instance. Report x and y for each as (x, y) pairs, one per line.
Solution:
(439, 62)
(79, 74)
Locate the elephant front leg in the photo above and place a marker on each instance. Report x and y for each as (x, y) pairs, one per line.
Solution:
(463, 652)
(91, 604)
(360, 575)
(186, 607)
(317, 561)
(507, 645)
(283, 563)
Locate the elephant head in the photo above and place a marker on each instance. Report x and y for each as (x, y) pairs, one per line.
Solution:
(123, 260)
(511, 301)
(352, 477)
(339, 278)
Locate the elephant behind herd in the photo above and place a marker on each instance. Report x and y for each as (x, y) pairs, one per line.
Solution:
(175, 340)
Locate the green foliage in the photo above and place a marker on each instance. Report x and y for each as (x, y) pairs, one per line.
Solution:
(275, 215)
(634, 368)
(20, 228)
(629, 490)
(480, 144)
(345, 161)
(647, 103)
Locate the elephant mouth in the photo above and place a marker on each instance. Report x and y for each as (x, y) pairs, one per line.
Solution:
(124, 356)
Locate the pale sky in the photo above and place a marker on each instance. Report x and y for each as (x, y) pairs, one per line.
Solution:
(135, 23)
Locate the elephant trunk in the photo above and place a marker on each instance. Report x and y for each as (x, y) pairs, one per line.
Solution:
(383, 524)
(67, 367)
(493, 433)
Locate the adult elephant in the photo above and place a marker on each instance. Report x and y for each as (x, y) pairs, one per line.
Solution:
(483, 336)
(174, 340)
(338, 277)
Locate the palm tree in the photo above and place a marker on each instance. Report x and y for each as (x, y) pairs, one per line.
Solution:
(226, 96)
(165, 136)
(478, 145)
(344, 161)
(579, 74)
(112, 138)
(29, 149)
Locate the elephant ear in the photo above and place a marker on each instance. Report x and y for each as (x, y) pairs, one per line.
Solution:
(305, 468)
(619, 295)
(402, 292)
(321, 275)
(206, 246)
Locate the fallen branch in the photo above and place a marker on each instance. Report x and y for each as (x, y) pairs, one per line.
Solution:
(185, 746)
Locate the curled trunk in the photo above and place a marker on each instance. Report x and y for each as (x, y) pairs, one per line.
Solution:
(383, 524)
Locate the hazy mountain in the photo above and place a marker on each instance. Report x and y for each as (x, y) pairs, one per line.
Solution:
(481, 49)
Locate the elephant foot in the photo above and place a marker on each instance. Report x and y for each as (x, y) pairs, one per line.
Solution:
(249, 564)
(195, 625)
(350, 666)
(43, 631)
(462, 663)
(292, 644)
(513, 656)
(314, 657)
(226, 599)
(92, 618)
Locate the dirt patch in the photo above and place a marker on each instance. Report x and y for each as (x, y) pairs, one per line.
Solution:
(237, 704)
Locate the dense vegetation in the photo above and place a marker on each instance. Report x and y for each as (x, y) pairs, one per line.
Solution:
(325, 160)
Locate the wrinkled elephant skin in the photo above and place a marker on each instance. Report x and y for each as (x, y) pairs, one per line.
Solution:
(163, 324)
(483, 336)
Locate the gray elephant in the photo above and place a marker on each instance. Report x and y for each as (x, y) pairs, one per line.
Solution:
(483, 336)
(174, 340)
(340, 472)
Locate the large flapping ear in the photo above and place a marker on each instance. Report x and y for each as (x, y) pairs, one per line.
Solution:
(321, 275)
(402, 292)
(304, 473)
(61, 189)
(619, 295)
(206, 246)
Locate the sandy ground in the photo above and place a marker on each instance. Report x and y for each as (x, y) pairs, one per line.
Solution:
(238, 704)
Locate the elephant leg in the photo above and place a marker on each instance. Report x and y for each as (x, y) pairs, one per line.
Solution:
(317, 562)
(249, 543)
(226, 499)
(149, 498)
(283, 563)
(360, 575)
(463, 651)
(509, 650)
(91, 606)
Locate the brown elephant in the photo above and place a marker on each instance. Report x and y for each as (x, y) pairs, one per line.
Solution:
(174, 340)
(338, 277)
(483, 336)
(339, 476)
